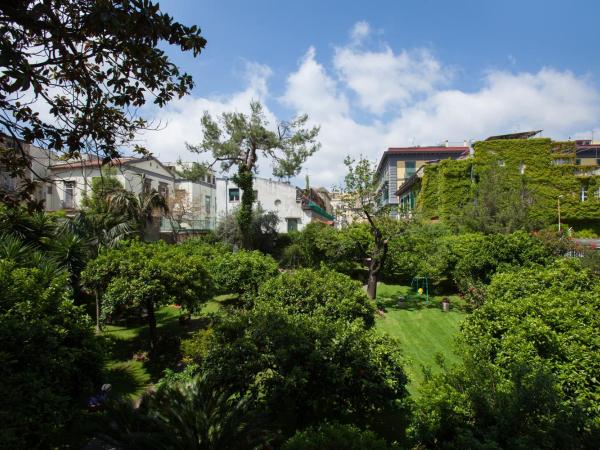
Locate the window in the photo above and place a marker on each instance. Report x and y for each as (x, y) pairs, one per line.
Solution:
(598, 161)
(410, 168)
(69, 194)
(577, 162)
(501, 163)
(234, 194)
(163, 189)
(147, 185)
(207, 203)
(583, 193)
(49, 189)
(292, 224)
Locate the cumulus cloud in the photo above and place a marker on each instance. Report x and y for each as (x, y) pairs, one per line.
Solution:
(360, 31)
(382, 79)
(368, 99)
(180, 120)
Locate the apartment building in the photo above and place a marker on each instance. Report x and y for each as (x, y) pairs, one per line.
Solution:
(398, 164)
(295, 207)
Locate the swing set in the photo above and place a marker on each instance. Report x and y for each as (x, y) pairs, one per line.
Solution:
(420, 285)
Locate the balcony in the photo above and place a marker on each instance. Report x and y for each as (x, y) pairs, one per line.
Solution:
(187, 225)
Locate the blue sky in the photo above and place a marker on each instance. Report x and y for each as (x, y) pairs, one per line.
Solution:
(377, 74)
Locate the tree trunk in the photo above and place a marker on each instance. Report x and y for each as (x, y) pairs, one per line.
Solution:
(98, 306)
(151, 325)
(245, 181)
(377, 260)
(372, 285)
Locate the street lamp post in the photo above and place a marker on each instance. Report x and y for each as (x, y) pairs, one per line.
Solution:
(558, 207)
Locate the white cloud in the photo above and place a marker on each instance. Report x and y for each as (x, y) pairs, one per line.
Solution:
(360, 31)
(382, 79)
(369, 99)
(180, 120)
(311, 89)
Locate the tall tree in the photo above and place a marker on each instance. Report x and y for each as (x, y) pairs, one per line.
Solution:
(238, 141)
(360, 198)
(88, 66)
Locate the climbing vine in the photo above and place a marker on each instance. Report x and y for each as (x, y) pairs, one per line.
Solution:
(545, 167)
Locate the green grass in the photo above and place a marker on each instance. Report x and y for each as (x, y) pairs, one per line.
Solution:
(423, 329)
(130, 377)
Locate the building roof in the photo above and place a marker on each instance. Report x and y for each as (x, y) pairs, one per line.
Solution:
(417, 150)
(92, 163)
(520, 135)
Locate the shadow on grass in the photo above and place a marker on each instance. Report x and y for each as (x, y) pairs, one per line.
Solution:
(123, 343)
(128, 379)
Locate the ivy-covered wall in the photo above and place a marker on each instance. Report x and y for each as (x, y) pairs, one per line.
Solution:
(446, 187)
(545, 168)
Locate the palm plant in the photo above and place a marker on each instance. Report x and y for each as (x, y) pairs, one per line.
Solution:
(185, 415)
(140, 209)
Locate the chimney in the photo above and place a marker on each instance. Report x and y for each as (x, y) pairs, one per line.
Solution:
(446, 143)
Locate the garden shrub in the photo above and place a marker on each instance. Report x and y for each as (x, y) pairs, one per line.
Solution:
(335, 437)
(302, 370)
(474, 257)
(419, 251)
(49, 360)
(531, 355)
(242, 272)
(138, 275)
(323, 291)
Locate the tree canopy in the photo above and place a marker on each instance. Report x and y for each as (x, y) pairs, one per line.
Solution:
(90, 65)
(238, 140)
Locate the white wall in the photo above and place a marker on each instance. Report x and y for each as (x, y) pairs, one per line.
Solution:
(272, 196)
(196, 194)
(131, 176)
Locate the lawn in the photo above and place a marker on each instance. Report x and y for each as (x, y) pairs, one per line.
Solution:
(129, 374)
(423, 329)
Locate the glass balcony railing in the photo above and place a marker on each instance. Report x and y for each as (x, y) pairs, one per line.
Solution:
(168, 225)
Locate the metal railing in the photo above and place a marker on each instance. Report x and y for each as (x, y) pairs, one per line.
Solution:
(168, 225)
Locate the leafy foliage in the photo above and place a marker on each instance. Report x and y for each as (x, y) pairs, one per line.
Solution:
(361, 197)
(49, 357)
(96, 63)
(184, 414)
(529, 377)
(515, 184)
(333, 437)
(263, 234)
(325, 292)
(240, 139)
(137, 275)
(242, 272)
(301, 369)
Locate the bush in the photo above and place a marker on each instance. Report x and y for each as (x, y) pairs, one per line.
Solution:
(419, 251)
(242, 272)
(49, 360)
(138, 275)
(475, 258)
(531, 355)
(335, 437)
(309, 291)
(301, 370)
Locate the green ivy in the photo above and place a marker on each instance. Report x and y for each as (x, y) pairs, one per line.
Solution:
(545, 167)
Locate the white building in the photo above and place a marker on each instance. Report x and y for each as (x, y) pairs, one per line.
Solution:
(71, 181)
(292, 205)
(192, 204)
